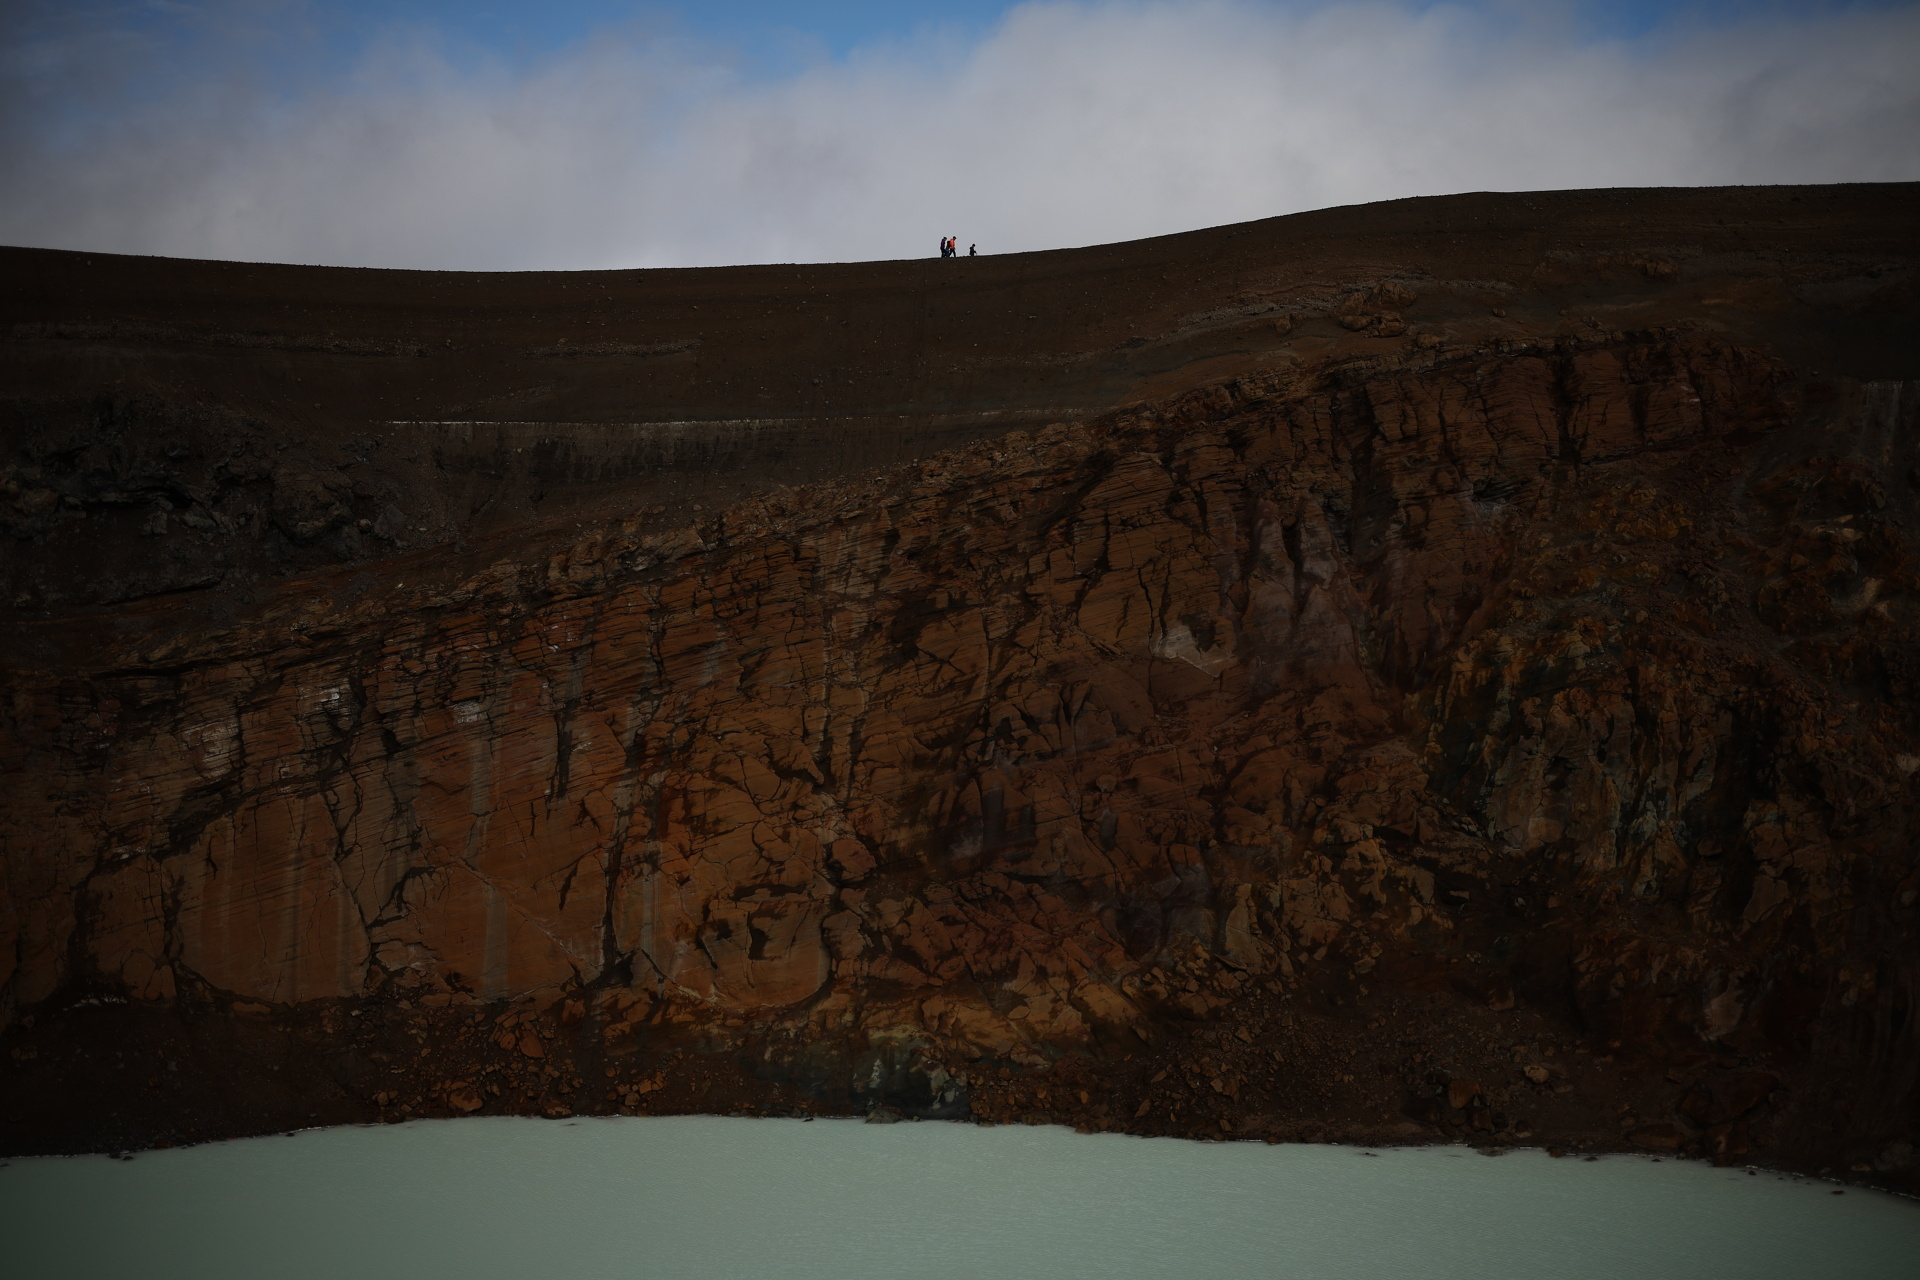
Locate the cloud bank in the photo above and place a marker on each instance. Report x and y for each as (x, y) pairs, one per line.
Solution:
(1069, 124)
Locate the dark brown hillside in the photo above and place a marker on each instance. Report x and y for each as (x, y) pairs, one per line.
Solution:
(1443, 668)
(185, 425)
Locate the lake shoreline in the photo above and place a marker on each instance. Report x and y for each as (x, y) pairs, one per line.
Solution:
(208, 1085)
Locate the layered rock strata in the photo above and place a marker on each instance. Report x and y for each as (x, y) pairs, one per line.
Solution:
(1515, 741)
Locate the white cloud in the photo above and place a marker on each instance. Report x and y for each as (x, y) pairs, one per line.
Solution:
(1069, 124)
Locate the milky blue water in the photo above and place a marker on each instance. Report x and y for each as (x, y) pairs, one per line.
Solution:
(714, 1198)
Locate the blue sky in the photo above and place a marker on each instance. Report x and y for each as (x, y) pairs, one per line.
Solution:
(838, 26)
(765, 28)
(303, 38)
(831, 26)
(589, 133)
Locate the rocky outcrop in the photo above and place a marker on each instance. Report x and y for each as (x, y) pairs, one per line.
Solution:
(1514, 740)
(1572, 678)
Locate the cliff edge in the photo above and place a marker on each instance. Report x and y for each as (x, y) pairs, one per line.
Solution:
(1435, 669)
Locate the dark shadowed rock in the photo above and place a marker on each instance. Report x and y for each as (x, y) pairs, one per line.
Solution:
(1134, 687)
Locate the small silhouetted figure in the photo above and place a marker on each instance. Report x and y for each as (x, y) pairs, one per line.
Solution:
(946, 247)
(973, 251)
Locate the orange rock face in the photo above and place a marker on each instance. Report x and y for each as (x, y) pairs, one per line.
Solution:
(1064, 735)
(1568, 677)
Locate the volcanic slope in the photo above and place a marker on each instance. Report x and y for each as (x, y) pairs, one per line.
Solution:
(1427, 669)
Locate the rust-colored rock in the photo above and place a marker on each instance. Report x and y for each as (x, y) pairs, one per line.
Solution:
(1337, 739)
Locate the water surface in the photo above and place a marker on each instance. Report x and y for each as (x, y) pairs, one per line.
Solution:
(718, 1198)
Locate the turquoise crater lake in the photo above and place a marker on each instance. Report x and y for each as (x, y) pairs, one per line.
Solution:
(717, 1198)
